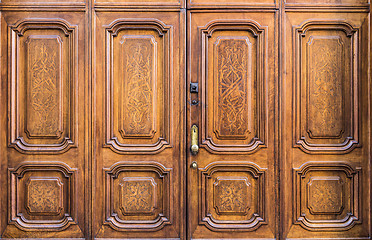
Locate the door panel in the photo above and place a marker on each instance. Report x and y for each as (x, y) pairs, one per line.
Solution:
(326, 153)
(232, 191)
(43, 151)
(138, 116)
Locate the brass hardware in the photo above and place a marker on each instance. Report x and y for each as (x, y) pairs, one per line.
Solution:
(194, 139)
(194, 165)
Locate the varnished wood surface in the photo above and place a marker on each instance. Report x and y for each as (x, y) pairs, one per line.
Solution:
(96, 112)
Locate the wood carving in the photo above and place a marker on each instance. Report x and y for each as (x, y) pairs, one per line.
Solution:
(327, 196)
(42, 87)
(232, 195)
(226, 202)
(138, 196)
(326, 92)
(144, 86)
(42, 196)
(235, 89)
(138, 116)
(331, 190)
(233, 81)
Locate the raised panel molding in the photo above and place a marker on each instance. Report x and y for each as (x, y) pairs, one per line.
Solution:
(326, 91)
(232, 203)
(44, 122)
(327, 196)
(237, 114)
(138, 196)
(140, 110)
(42, 196)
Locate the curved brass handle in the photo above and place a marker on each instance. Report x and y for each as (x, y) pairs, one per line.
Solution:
(194, 139)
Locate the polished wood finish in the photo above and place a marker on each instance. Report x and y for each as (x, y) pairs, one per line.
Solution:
(96, 112)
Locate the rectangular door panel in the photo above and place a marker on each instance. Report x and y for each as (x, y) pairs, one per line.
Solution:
(43, 151)
(232, 190)
(138, 125)
(325, 107)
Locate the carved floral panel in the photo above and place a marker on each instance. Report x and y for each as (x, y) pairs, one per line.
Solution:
(232, 196)
(42, 196)
(42, 86)
(139, 77)
(233, 86)
(138, 80)
(138, 196)
(233, 56)
(326, 101)
(327, 196)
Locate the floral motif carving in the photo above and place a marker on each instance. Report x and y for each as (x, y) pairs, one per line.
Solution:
(325, 114)
(326, 95)
(233, 83)
(49, 202)
(325, 195)
(232, 203)
(43, 113)
(231, 195)
(139, 79)
(44, 195)
(138, 195)
(138, 94)
(233, 56)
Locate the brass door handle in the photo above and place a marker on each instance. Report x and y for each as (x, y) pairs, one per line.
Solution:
(194, 139)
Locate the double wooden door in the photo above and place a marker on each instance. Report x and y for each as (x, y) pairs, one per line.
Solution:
(100, 102)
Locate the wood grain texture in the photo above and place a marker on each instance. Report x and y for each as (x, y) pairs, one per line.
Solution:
(96, 112)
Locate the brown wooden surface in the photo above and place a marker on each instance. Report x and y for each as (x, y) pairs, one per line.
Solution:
(96, 112)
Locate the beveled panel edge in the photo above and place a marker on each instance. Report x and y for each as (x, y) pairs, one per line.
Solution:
(351, 219)
(164, 31)
(207, 219)
(23, 224)
(259, 32)
(351, 142)
(111, 218)
(15, 31)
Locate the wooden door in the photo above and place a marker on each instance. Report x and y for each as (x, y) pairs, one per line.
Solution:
(325, 120)
(44, 117)
(138, 160)
(233, 190)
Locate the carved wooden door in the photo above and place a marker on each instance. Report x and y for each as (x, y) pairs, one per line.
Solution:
(173, 119)
(44, 90)
(233, 188)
